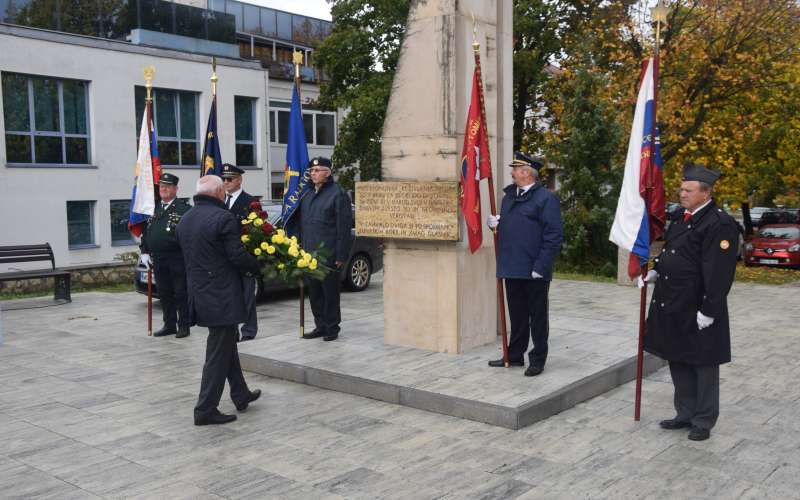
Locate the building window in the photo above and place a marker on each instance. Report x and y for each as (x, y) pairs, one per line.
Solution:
(320, 127)
(80, 224)
(245, 118)
(272, 126)
(277, 190)
(325, 130)
(176, 125)
(120, 211)
(45, 120)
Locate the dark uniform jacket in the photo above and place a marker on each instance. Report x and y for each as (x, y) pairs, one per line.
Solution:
(210, 237)
(695, 272)
(241, 207)
(326, 217)
(529, 234)
(159, 236)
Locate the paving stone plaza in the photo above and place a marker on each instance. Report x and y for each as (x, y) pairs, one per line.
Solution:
(90, 407)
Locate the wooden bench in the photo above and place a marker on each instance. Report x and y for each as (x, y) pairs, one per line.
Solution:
(33, 253)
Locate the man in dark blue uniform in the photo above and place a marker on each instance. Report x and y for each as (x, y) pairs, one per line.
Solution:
(325, 217)
(160, 246)
(688, 320)
(529, 234)
(238, 201)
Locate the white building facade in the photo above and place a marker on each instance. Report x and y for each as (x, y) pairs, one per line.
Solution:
(71, 111)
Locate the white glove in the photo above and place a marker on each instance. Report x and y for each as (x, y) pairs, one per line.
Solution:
(652, 275)
(536, 275)
(146, 260)
(492, 221)
(703, 321)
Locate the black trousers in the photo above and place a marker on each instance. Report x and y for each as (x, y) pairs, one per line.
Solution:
(250, 327)
(222, 362)
(170, 273)
(530, 318)
(324, 298)
(696, 393)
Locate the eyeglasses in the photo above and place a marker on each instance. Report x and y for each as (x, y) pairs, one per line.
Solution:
(227, 179)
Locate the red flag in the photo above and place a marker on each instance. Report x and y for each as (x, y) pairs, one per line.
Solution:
(475, 164)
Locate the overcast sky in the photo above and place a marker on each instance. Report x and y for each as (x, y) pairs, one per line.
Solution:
(314, 8)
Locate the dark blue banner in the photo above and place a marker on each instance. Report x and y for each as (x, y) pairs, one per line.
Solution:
(211, 161)
(296, 182)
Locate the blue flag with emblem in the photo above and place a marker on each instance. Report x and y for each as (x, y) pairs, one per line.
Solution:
(295, 182)
(212, 158)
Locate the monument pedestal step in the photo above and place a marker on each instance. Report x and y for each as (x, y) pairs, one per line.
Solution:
(580, 366)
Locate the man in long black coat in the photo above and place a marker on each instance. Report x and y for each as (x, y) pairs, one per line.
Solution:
(216, 262)
(325, 218)
(238, 201)
(688, 320)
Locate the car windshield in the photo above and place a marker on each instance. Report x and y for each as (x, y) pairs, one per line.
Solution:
(273, 212)
(780, 233)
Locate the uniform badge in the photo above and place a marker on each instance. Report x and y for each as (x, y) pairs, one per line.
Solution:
(724, 244)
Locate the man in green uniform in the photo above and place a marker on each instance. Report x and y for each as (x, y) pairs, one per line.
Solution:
(161, 249)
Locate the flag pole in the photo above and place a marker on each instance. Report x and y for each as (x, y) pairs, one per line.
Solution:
(659, 15)
(149, 72)
(501, 302)
(297, 58)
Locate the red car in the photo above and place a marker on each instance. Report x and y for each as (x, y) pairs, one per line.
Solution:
(774, 245)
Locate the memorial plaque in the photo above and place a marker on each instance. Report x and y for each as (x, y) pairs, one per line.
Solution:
(407, 210)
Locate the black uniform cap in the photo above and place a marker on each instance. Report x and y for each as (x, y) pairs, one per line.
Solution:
(229, 170)
(168, 178)
(320, 161)
(698, 172)
(523, 160)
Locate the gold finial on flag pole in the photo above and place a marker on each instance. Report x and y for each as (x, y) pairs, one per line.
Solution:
(475, 45)
(149, 72)
(659, 15)
(214, 76)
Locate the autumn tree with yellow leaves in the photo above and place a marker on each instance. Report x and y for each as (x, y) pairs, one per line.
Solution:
(729, 89)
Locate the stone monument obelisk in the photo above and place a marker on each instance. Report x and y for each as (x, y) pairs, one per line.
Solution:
(437, 295)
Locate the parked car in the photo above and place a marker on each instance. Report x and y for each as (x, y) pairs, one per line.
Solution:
(756, 213)
(781, 216)
(774, 245)
(366, 258)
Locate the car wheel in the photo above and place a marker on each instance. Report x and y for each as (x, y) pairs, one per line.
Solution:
(359, 272)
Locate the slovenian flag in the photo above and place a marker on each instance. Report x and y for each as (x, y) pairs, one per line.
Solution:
(148, 170)
(640, 213)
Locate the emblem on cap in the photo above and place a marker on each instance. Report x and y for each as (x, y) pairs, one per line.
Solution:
(316, 161)
(724, 244)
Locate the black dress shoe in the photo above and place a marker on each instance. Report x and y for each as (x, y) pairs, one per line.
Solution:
(674, 424)
(182, 332)
(499, 363)
(534, 370)
(166, 330)
(698, 434)
(215, 418)
(328, 338)
(252, 397)
(314, 334)
(245, 339)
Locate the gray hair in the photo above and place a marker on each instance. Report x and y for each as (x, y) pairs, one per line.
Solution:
(705, 187)
(208, 185)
